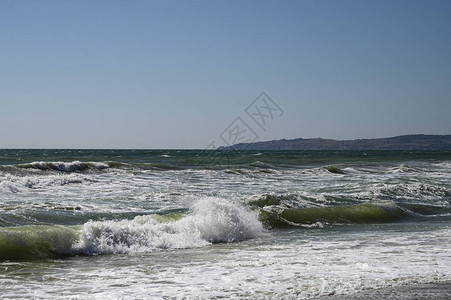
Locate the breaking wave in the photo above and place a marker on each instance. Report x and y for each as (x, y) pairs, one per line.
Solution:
(67, 167)
(210, 220)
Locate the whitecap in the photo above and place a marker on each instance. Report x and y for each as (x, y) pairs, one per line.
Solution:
(211, 220)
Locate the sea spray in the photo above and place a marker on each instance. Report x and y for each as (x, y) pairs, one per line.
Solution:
(210, 220)
(220, 220)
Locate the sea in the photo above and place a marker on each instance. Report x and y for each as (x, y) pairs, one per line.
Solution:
(194, 224)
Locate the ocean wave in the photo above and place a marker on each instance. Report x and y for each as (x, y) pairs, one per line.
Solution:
(414, 190)
(210, 220)
(324, 171)
(359, 213)
(334, 170)
(67, 167)
(80, 166)
(16, 184)
(381, 212)
(288, 200)
(404, 169)
(158, 166)
(36, 242)
(300, 199)
(260, 164)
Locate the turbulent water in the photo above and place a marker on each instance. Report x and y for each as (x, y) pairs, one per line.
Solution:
(142, 224)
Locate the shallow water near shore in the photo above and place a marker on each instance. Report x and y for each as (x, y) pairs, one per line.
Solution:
(212, 224)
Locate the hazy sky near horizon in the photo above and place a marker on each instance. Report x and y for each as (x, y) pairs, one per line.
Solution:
(178, 74)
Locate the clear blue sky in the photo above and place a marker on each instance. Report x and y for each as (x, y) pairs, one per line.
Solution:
(175, 74)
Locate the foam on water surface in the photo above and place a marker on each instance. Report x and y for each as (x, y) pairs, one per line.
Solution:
(303, 265)
(153, 224)
(209, 220)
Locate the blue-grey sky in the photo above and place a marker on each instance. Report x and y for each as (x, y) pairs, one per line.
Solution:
(176, 74)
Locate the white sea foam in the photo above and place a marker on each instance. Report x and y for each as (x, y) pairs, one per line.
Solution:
(285, 264)
(210, 220)
(16, 184)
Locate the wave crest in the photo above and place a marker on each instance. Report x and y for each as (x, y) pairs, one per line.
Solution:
(277, 216)
(211, 220)
(67, 167)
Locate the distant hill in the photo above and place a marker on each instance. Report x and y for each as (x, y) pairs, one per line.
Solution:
(403, 142)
